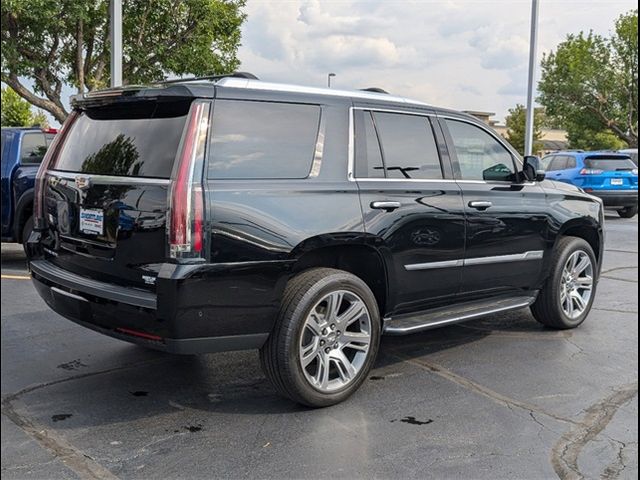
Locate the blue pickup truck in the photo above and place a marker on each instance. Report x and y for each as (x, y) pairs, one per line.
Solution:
(22, 152)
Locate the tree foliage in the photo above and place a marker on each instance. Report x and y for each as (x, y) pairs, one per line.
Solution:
(17, 112)
(66, 42)
(590, 84)
(516, 127)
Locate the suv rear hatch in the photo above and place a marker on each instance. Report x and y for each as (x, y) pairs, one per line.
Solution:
(609, 172)
(106, 190)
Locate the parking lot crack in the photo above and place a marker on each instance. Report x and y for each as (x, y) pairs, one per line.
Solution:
(565, 453)
(481, 389)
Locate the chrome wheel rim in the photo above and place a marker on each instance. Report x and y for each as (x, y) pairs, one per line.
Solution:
(576, 286)
(335, 341)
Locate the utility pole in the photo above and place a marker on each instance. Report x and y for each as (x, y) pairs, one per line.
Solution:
(533, 47)
(115, 35)
(329, 79)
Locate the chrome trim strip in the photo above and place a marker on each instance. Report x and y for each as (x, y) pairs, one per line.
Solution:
(517, 257)
(461, 318)
(319, 150)
(109, 179)
(69, 294)
(434, 265)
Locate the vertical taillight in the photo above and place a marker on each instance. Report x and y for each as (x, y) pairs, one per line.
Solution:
(39, 219)
(186, 202)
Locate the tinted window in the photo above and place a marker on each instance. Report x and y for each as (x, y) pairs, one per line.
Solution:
(135, 140)
(480, 155)
(558, 163)
(571, 162)
(262, 140)
(408, 146)
(33, 147)
(609, 164)
(368, 155)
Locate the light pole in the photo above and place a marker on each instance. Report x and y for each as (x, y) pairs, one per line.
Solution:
(533, 44)
(115, 34)
(329, 79)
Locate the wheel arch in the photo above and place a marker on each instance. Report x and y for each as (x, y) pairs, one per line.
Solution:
(24, 209)
(359, 255)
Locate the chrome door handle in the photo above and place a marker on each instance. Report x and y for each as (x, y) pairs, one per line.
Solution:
(480, 205)
(385, 205)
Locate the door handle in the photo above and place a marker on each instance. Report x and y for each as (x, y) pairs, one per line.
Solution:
(480, 205)
(385, 205)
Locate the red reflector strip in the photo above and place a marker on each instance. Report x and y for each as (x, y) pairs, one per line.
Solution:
(135, 333)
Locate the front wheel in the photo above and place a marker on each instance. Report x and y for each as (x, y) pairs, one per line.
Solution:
(628, 212)
(325, 340)
(566, 299)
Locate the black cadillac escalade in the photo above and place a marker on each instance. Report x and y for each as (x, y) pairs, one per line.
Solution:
(228, 213)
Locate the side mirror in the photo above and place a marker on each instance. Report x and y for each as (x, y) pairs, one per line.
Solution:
(532, 169)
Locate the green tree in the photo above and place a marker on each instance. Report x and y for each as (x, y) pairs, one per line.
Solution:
(17, 112)
(66, 42)
(516, 126)
(589, 85)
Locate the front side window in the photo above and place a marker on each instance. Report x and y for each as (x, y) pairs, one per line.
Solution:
(408, 146)
(33, 147)
(252, 140)
(480, 155)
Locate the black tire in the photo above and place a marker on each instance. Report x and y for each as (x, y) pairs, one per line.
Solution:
(547, 308)
(27, 228)
(280, 354)
(628, 212)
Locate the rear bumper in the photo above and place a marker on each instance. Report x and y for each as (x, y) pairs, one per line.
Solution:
(617, 198)
(132, 314)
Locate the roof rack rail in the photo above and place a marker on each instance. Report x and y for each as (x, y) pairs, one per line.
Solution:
(374, 90)
(213, 78)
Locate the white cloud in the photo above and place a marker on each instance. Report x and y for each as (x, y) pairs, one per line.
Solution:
(462, 54)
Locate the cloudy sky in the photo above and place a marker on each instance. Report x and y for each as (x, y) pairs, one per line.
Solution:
(463, 54)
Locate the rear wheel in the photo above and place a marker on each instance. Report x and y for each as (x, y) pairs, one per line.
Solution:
(567, 297)
(628, 212)
(325, 340)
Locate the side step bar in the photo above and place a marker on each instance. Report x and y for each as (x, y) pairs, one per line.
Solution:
(453, 314)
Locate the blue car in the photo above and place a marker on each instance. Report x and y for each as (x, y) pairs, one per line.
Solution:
(22, 151)
(613, 177)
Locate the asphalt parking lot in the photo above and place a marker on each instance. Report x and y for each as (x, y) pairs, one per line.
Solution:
(498, 398)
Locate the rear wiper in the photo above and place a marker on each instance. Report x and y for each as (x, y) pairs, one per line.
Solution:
(624, 169)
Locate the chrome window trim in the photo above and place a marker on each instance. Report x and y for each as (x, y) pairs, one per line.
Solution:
(319, 150)
(516, 257)
(97, 179)
(351, 153)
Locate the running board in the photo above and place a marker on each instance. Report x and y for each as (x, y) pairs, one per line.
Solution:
(453, 314)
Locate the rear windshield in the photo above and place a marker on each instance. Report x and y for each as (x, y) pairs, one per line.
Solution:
(609, 164)
(138, 140)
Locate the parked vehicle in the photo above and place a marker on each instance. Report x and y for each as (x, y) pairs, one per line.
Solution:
(231, 213)
(613, 177)
(22, 152)
(633, 154)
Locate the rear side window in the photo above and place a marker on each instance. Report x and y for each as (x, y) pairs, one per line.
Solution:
(253, 140)
(558, 163)
(408, 146)
(368, 155)
(609, 164)
(33, 147)
(128, 140)
(480, 155)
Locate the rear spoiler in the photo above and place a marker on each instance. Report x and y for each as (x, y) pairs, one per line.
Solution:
(133, 93)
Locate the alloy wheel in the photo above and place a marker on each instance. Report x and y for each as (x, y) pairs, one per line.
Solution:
(576, 285)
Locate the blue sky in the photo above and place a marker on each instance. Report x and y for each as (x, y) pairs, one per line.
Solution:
(462, 54)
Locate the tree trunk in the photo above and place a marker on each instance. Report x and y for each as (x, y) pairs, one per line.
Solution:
(58, 112)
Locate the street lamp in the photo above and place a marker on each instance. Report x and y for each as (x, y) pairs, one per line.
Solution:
(329, 79)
